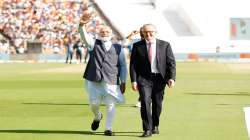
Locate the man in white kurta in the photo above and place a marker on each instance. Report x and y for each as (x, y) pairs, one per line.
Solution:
(100, 88)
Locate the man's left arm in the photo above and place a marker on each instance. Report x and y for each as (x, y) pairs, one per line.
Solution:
(171, 66)
(123, 70)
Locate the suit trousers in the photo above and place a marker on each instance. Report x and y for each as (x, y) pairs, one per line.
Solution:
(151, 95)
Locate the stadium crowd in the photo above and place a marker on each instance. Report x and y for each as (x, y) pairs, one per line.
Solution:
(51, 22)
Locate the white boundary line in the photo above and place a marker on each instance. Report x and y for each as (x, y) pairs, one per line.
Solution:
(247, 119)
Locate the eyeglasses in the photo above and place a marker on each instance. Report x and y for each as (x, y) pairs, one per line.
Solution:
(151, 32)
(104, 32)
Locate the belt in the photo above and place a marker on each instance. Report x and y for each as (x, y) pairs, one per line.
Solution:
(155, 74)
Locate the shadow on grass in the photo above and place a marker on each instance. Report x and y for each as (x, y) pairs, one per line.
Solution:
(131, 134)
(235, 94)
(74, 104)
(233, 104)
(55, 104)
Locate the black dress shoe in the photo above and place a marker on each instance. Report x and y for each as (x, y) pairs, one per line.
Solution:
(155, 130)
(95, 124)
(147, 133)
(108, 133)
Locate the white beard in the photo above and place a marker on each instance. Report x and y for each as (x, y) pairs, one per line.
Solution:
(105, 38)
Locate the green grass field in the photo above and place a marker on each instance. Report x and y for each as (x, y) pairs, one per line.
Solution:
(48, 102)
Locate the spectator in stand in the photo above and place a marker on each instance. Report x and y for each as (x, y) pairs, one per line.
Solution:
(4, 47)
(78, 49)
(25, 20)
(70, 50)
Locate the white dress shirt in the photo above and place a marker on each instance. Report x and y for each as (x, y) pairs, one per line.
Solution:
(154, 60)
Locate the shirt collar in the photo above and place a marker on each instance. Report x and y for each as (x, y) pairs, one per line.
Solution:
(152, 42)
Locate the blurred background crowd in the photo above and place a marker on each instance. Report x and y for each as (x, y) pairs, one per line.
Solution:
(53, 23)
(195, 31)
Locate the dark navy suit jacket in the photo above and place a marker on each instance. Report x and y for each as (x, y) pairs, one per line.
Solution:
(140, 69)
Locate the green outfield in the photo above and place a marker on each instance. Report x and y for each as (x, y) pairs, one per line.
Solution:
(48, 102)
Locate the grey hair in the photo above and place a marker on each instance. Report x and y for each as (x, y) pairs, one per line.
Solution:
(149, 24)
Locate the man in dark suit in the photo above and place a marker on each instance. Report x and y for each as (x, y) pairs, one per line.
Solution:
(152, 67)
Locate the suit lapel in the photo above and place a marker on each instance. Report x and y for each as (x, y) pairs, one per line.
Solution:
(158, 52)
(144, 48)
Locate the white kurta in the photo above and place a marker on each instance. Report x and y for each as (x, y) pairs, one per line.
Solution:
(99, 90)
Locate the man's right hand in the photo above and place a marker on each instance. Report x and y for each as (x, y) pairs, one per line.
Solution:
(134, 86)
(87, 16)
